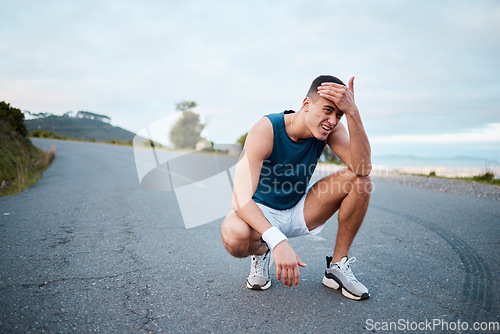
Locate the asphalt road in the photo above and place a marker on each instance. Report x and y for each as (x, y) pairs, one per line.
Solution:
(87, 249)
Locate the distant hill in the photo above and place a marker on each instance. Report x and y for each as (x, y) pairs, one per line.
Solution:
(84, 125)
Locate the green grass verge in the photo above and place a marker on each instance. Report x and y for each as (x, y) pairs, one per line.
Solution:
(21, 162)
(486, 178)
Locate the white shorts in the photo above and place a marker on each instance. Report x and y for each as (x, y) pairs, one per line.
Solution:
(290, 222)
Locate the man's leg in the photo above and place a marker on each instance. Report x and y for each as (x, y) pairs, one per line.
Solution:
(350, 194)
(241, 241)
(343, 191)
(239, 238)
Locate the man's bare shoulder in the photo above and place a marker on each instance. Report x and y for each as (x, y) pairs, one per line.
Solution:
(262, 127)
(260, 137)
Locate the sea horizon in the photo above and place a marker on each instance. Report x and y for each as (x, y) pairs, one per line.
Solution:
(454, 166)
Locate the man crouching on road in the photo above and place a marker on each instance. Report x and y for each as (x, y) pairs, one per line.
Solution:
(272, 200)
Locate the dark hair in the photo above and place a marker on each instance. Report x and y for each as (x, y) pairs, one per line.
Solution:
(313, 90)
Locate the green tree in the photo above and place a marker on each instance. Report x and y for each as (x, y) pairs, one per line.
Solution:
(14, 117)
(185, 105)
(330, 156)
(186, 131)
(242, 140)
(92, 116)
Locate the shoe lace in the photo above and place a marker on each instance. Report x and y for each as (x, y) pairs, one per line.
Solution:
(257, 266)
(346, 269)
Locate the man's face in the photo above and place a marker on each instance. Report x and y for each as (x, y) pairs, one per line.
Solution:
(322, 116)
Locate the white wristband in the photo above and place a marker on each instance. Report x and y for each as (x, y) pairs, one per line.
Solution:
(273, 237)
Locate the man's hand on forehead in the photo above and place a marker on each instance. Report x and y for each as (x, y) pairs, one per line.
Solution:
(342, 96)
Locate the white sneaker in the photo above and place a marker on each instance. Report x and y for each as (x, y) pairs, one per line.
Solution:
(259, 278)
(339, 275)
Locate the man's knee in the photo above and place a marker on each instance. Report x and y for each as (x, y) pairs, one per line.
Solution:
(235, 246)
(364, 184)
(233, 239)
(358, 183)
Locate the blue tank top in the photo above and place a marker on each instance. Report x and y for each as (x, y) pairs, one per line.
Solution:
(286, 172)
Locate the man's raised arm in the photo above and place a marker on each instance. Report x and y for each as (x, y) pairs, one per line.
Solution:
(354, 150)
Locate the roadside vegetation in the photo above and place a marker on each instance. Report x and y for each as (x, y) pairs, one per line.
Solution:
(487, 178)
(41, 133)
(21, 162)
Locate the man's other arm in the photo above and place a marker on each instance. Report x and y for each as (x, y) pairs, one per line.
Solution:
(258, 146)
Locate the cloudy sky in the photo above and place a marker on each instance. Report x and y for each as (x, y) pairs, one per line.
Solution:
(427, 72)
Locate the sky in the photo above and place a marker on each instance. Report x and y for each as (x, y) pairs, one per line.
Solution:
(427, 72)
